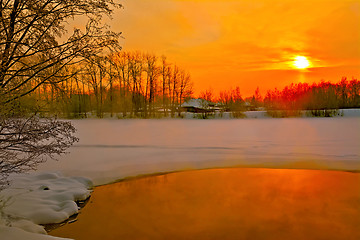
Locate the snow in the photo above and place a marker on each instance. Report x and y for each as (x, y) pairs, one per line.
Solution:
(111, 149)
(39, 198)
(14, 233)
(198, 103)
(256, 114)
(351, 112)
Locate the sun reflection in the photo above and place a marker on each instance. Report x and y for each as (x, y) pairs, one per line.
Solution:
(234, 203)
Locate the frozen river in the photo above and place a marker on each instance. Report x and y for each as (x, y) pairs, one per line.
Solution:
(110, 149)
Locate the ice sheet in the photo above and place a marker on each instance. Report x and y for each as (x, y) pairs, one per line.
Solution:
(110, 149)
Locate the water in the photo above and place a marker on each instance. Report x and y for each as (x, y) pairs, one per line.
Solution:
(224, 204)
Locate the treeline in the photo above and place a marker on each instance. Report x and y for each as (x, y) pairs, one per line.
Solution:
(125, 84)
(319, 99)
(232, 101)
(316, 96)
(135, 84)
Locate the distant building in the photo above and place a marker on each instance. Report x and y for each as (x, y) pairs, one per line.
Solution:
(198, 106)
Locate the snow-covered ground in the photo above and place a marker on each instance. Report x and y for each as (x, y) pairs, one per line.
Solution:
(110, 149)
(39, 198)
(263, 114)
(341, 113)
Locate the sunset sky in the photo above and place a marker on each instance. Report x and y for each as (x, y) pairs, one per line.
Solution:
(247, 43)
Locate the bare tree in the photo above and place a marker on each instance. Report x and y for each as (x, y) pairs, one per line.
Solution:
(34, 52)
(24, 143)
(165, 82)
(30, 50)
(185, 87)
(135, 68)
(152, 73)
(173, 89)
(119, 62)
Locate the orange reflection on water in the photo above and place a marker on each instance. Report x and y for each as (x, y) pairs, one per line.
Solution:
(224, 204)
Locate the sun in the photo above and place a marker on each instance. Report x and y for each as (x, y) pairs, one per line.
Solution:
(301, 62)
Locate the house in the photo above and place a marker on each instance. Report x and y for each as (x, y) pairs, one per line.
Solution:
(198, 106)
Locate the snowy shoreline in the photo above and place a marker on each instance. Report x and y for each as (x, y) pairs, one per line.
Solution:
(39, 198)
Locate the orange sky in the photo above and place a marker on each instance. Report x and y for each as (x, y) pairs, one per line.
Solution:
(246, 43)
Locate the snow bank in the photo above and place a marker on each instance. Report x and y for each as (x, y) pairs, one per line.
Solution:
(264, 114)
(14, 233)
(40, 198)
(256, 114)
(351, 112)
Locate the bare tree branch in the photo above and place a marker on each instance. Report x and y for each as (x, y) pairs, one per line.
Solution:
(34, 52)
(24, 143)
